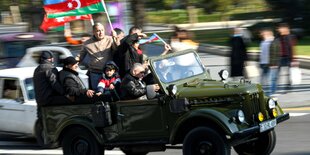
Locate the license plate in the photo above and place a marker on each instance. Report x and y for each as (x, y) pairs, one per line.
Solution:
(267, 125)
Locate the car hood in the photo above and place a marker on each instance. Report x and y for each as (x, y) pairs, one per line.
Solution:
(207, 88)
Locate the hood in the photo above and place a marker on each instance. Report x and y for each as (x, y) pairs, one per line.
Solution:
(208, 88)
(111, 63)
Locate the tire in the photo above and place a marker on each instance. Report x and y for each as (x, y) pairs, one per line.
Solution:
(80, 141)
(205, 141)
(129, 151)
(264, 145)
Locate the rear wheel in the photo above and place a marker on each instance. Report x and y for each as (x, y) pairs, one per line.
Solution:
(263, 145)
(205, 141)
(79, 141)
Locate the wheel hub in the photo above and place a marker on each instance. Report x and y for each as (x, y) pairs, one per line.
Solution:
(205, 148)
(81, 147)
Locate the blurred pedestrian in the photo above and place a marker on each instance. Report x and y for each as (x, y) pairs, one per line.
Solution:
(100, 49)
(181, 40)
(238, 54)
(267, 39)
(73, 86)
(282, 55)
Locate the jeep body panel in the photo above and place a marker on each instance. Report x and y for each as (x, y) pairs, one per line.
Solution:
(189, 104)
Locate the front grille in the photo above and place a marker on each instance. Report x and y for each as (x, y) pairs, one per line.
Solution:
(255, 103)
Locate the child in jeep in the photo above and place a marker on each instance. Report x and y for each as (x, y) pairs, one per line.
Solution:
(110, 82)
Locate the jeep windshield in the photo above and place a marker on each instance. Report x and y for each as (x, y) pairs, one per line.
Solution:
(178, 67)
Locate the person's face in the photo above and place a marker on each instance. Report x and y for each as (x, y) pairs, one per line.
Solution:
(139, 72)
(99, 32)
(283, 30)
(121, 35)
(109, 72)
(74, 67)
(136, 31)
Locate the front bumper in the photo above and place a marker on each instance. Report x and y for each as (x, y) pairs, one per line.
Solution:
(241, 135)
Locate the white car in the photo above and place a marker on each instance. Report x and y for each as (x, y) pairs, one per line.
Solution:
(18, 111)
(18, 107)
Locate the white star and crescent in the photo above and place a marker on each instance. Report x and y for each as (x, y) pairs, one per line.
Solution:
(78, 4)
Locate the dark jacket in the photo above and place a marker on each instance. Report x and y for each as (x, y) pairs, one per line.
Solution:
(71, 82)
(132, 87)
(275, 49)
(127, 55)
(238, 55)
(46, 83)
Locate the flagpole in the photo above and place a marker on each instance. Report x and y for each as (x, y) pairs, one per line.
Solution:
(107, 13)
(161, 39)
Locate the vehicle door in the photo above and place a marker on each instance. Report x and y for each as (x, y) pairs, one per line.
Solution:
(143, 119)
(14, 114)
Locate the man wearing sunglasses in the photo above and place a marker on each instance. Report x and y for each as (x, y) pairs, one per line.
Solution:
(132, 86)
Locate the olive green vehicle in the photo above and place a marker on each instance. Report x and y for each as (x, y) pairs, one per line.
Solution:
(204, 116)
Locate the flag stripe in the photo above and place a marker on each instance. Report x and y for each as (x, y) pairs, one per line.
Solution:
(47, 2)
(153, 38)
(54, 22)
(69, 5)
(95, 8)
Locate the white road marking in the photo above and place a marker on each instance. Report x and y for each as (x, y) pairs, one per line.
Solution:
(47, 152)
(298, 114)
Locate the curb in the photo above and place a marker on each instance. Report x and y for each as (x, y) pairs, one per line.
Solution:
(304, 62)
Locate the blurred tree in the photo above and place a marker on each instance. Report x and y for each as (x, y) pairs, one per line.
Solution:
(138, 12)
(294, 12)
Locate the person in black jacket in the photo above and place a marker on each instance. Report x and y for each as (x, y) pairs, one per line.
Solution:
(238, 55)
(46, 85)
(128, 52)
(73, 86)
(132, 86)
(48, 90)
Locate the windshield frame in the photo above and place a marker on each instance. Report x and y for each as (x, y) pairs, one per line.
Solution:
(203, 75)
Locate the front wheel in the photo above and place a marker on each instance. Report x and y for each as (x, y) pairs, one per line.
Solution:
(205, 141)
(79, 141)
(264, 144)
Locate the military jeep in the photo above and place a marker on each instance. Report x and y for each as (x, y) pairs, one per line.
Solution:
(202, 115)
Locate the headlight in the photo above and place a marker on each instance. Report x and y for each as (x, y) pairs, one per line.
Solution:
(271, 103)
(223, 74)
(260, 116)
(240, 116)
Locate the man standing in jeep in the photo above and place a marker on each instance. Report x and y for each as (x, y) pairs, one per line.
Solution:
(46, 86)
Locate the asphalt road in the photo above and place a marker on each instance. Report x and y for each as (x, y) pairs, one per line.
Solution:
(292, 139)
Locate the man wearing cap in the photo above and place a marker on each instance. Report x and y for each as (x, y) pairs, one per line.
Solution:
(100, 49)
(46, 86)
(73, 86)
(47, 89)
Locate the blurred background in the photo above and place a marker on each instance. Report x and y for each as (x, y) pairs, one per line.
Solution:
(209, 21)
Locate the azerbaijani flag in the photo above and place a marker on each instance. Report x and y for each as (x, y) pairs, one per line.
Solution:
(49, 23)
(61, 8)
(153, 38)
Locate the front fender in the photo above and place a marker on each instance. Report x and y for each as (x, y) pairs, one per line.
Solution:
(208, 115)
